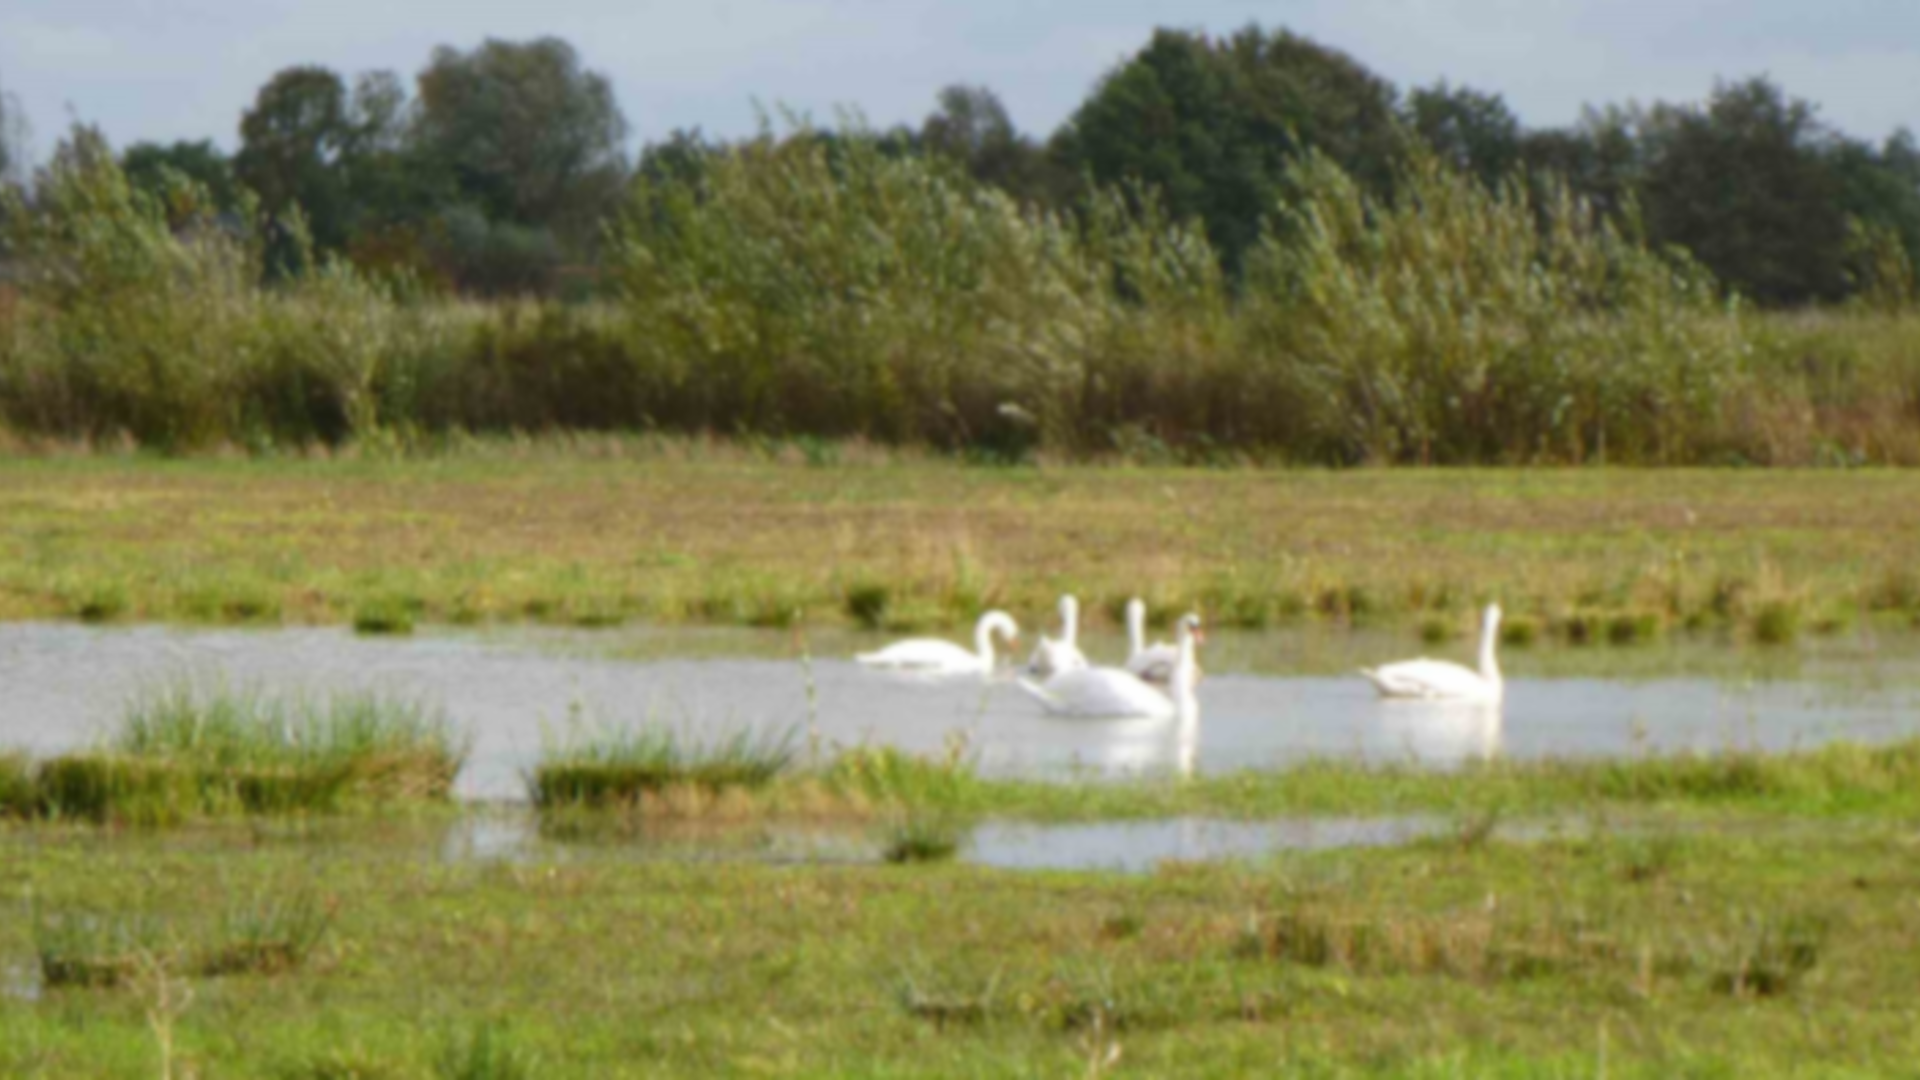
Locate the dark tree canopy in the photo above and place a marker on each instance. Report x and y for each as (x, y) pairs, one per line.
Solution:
(528, 135)
(972, 127)
(147, 166)
(1745, 184)
(291, 143)
(1472, 131)
(1213, 123)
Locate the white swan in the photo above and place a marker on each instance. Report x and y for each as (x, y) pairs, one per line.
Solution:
(1152, 663)
(1117, 694)
(936, 657)
(1438, 679)
(1052, 657)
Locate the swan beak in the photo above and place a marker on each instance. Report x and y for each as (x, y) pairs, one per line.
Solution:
(1199, 636)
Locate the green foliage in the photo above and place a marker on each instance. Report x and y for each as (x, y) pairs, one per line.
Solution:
(1461, 323)
(1210, 125)
(184, 750)
(1744, 185)
(614, 769)
(528, 135)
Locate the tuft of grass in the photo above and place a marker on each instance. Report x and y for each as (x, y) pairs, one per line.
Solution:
(383, 616)
(614, 769)
(867, 604)
(1777, 622)
(484, 1052)
(1632, 627)
(1519, 631)
(19, 794)
(271, 936)
(99, 602)
(85, 949)
(184, 750)
(1438, 630)
(920, 837)
(1766, 955)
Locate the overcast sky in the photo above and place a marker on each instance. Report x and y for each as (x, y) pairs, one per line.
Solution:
(184, 69)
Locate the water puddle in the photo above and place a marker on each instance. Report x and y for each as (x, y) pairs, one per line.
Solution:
(1123, 846)
(65, 685)
(1140, 846)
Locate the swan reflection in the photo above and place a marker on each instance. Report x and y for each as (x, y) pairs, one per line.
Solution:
(1442, 732)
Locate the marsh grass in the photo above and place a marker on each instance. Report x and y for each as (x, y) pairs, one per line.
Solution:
(616, 769)
(184, 750)
(1766, 954)
(385, 616)
(19, 795)
(486, 1051)
(83, 949)
(919, 836)
(272, 935)
(1776, 622)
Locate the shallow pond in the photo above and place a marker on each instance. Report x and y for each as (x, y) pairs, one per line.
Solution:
(62, 685)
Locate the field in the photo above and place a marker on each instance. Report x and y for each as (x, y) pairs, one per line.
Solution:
(1651, 947)
(598, 532)
(1729, 915)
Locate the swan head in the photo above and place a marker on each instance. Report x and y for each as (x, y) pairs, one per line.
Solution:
(1191, 629)
(1001, 623)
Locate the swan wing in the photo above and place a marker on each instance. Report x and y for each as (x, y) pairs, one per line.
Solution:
(1155, 663)
(922, 654)
(1425, 678)
(1100, 692)
(1052, 657)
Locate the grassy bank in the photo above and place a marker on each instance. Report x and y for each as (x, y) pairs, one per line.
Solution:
(183, 752)
(1730, 948)
(598, 532)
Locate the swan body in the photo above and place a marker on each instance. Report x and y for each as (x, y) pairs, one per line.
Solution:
(1051, 657)
(936, 657)
(1440, 680)
(1151, 663)
(1115, 693)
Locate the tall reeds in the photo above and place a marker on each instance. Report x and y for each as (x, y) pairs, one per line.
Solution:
(814, 284)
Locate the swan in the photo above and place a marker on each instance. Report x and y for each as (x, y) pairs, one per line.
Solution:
(1152, 663)
(1116, 693)
(1052, 657)
(933, 656)
(1439, 679)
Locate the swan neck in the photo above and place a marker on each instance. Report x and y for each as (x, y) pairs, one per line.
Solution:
(1136, 628)
(983, 641)
(1489, 637)
(1069, 621)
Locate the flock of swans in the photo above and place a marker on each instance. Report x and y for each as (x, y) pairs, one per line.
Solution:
(1158, 681)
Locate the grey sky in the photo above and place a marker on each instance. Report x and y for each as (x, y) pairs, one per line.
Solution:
(168, 69)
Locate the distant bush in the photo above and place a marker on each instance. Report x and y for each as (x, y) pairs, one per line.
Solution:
(818, 286)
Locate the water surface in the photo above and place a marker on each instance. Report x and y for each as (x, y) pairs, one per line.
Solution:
(64, 685)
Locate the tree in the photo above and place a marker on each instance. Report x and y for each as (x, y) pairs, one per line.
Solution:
(148, 165)
(1212, 124)
(1602, 158)
(972, 127)
(13, 138)
(1746, 184)
(1472, 131)
(291, 144)
(525, 132)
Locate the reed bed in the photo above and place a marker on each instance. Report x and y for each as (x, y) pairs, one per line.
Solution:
(185, 750)
(617, 769)
(811, 290)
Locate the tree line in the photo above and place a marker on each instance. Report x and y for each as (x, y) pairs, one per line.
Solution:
(496, 170)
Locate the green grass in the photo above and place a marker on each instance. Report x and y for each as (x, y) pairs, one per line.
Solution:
(183, 750)
(1761, 947)
(616, 769)
(674, 531)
